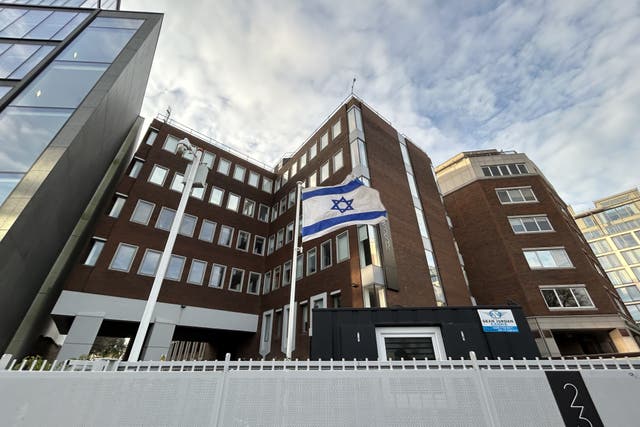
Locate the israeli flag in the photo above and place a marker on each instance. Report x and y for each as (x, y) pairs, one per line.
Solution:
(325, 209)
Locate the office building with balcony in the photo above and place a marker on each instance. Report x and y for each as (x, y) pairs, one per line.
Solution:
(72, 81)
(228, 281)
(520, 245)
(612, 229)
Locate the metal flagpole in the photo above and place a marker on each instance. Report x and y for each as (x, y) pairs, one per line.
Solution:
(164, 259)
(294, 265)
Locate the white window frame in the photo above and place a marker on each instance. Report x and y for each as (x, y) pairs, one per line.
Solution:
(97, 245)
(264, 245)
(534, 250)
(204, 272)
(253, 176)
(241, 279)
(151, 136)
(432, 332)
(318, 297)
(136, 167)
(222, 165)
(248, 240)
(336, 129)
(520, 219)
(266, 289)
(254, 273)
(340, 259)
(144, 256)
(287, 266)
(231, 196)
(191, 230)
(322, 176)
(324, 140)
(222, 276)
(213, 191)
(574, 286)
(262, 206)
(153, 169)
(338, 155)
(133, 257)
(519, 189)
(313, 250)
(165, 145)
(133, 214)
(322, 266)
(222, 226)
(249, 202)
(239, 173)
(214, 225)
(313, 151)
(266, 334)
(267, 185)
(116, 206)
(179, 277)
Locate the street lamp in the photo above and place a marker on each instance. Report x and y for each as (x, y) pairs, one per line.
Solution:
(194, 176)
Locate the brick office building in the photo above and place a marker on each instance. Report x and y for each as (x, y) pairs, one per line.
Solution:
(228, 282)
(520, 245)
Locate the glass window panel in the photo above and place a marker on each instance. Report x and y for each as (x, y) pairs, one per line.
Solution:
(516, 225)
(51, 25)
(4, 90)
(233, 202)
(239, 172)
(31, 62)
(248, 207)
(529, 224)
(242, 244)
(254, 179)
(158, 175)
(513, 169)
(135, 168)
(217, 275)
(61, 85)
(149, 264)
(263, 213)
(299, 267)
(25, 133)
(206, 231)
(313, 150)
(224, 166)
(550, 298)
(235, 281)
(516, 196)
(188, 225)
(560, 258)
(142, 212)
(253, 285)
(311, 261)
(324, 141)
(208, 159)
(174, 269)
(342, 247)
(104, 22)
(165, 218)
(258, 245)
(225, 236)
(196, 272)
(25, 23)
(97, 45)
(266, 288)
(72, 25)
(338, 161)
(216, 196)
(8, 181)
(532, 259)
(171, 144)
(566, 297)
(94, 253)
(13, 58)
(325, 255)
(267, 185)
(123, 257)
(582, 297)
(8, 15)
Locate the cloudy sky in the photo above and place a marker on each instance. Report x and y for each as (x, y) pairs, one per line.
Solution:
(557, 80)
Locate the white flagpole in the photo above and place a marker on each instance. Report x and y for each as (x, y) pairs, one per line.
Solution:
(294, 265)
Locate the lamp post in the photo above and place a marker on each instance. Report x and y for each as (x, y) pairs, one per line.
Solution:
(195, 175)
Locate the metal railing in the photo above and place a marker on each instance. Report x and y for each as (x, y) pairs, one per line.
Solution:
(511, 364)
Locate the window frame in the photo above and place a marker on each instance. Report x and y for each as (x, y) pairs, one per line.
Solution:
(233, 269)
(232, 231)
(91, 254)
(542, 267)
(233, 196)
(164, 178)
(248, 240)
(511, 202)
(570, 287)
(148, 218)
(324, 266)
(222, 275)
(313, 251)
(344, 234)
(254, 273)
(133, 257)
(432, 332)
(535, 217)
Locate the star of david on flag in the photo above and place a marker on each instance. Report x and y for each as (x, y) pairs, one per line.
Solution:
(325, 209)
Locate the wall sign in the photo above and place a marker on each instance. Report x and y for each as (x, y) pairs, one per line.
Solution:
(497, 320)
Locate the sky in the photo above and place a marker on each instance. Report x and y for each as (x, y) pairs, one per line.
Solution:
(557, 80)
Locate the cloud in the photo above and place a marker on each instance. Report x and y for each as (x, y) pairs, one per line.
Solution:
(556, 80)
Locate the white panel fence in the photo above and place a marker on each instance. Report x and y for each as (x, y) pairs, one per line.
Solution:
(314, 393)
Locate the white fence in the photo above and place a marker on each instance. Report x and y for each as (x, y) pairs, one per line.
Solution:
(312, 393)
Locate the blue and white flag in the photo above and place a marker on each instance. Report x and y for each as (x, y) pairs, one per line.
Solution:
(325, 209)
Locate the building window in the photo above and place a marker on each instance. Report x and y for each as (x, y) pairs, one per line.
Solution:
(324, 141)
(226, 236)
(619, 212)
(354, 119)
(165, 218)
(136, 166)
(629, 293)
(600, 246)
(196, 272)
(303, 160)
(324, 171)
(276, 278)
(587, 221)
(171, 144)
(142, 212)
(188, 225)
(217, 276)
(266, 287)
(530, 224)
(248, 207)
(632, 256)
(253, 286)
(151, 138)
(285, 177)
(97, 245)
(254, 179)
(149, 263)
(206, 230)
(239, 172)
(274, 212)
(277, 184)
(338, 161)
(235, 281)
(292, 199)
(233, 202)
(294, 169)
(316, 301)
(283, 205)
(304, 315)
(258, 245)
(547, 258)
(278, 324)
(224, 166)
(177, 183)
(516, 195)
(325, 255)
(336, 129)
(505, 170)
(279, 238)
(286, 273)
(342, 247)
(265, 343)
(312, 264)
(619, 277)
(313, 179)
(299, 267)
(313, 151)
(267, 185)
(634, 310)
(624, 241)
(208, 159)
(123, 257)
(215, 198)
(263, 213)
(271, 244)
(243, 241)
(609, 261)
(117, 205)
(336, 300)
(175, 267)
(158, 175)
(289, 233)
(566, 297)
(397, 343)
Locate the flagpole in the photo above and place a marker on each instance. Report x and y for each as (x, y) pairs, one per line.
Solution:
(294, 265)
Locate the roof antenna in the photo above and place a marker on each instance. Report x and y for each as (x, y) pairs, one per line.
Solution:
(353, 84)
(168, 114)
